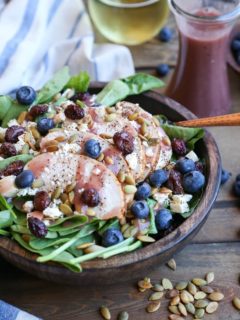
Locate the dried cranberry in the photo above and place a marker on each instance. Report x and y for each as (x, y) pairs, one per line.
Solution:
(74, 112)
(199, 166)
(8, 150)
(90, 197)
(82, 96)
(124, 142)
(37, 110)
(37, 227)
(41, 200)
(179, 146)
(175, 182)
(12, 133)
(14, 168)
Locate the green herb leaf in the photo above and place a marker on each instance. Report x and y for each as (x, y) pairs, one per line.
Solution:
(23, 157)
(68, 223)
(4, 233)
(5, 205)
(13, 112)
(39, 244)
(5, 104)
(53, 86)
(141, 82)
(189, 135)
(113, 92)
(6, 219)
(79, 82)
(152, 227)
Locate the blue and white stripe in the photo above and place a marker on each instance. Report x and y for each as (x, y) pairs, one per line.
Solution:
(8, 312)
(38, 37)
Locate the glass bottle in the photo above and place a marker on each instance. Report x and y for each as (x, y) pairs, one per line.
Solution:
(200, 81)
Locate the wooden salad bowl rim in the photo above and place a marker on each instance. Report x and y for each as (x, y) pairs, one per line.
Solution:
(18, 256)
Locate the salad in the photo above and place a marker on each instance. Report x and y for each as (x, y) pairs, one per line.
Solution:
(86, 176)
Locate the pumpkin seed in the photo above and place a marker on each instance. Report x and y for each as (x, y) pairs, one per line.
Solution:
(210, 277)
(130, 232)
(123, 315)
(64, 197)
(143, 128)
(93, 248)
(207, 289)
(85, 245)
(175, 301)
(140, 120)
(91, 212)
(70, 187)
(200, 295)
(56, 193)
(158, 288)
(153, 306)
(141, 290)
(101, 157)
(212, 307)
(144, 238)
(121, 176)
(110, 117)
(22, 117)
(182, 309)
(236, 302)
(167, 284)
(190, 308)
(122, 221)
(192, 288)
(26, 237)
(172, 264)
(105, 313)
(216, 296)
(35, 133)
(155, 120)
(181, 285)
(71, 197)
(172, 293)
(166, 141)
(145, 283)
(25, 149)
(73, 138)
(60, 139)
(37, 183)
(156, 296)
(129, 180)
(110, 110)
(108, 160)
(199, 282)
(52, 148)
(199, 313)
(174, 309)
(65, 209)
(133, 116)
(186, 297)
(175, 317)
(129, 189)
(125, 227)
(201, 304)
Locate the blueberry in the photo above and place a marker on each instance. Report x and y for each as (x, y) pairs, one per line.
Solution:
(225, 176)
(143, 191)
(236, 188)
(158, 177)
(44, 125)
(111, 237)
(193, 181)
(235, 45)
(140, 209)
(92, 148)
(238, 177)
(185, 165)
(24, 179)
(26, 95)
(165, 34)
(162, 69)
(163, 219)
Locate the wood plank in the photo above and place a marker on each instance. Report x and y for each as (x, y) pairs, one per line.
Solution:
(53, 301)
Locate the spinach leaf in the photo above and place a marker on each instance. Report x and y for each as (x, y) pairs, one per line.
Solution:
(53, 86)
(152, 228)
(6, 219)
(79, 82)
(141, 82)
(23, 157)
(20, 229)
(129, 248)
(13, 112)
(5, 104)
(40, 244)
(4, 233)
(189, 135)
(5, 205)
(113, 92)
(78, 252)
(68, 223)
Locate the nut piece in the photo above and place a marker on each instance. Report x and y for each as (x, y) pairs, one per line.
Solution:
(145, 283)
(200, 295)
(175, 317)
(192, 288)
(182, 309)
(190, 308)
(172, 293)
(212, 307)
(158, 288)
(207, 289)
(105, 313)
(123, 315)
(181, 285)
(172, 264)
(236, 303)
(210, 277)
(156, 296)
(174, 309)
(167, 284)
(199, 314)
(175, 301)
(216, 296)
(201, 304)
(153, 306)
(199, 282)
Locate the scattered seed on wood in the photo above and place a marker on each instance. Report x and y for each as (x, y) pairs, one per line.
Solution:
(210, 277)
(201, 304)
(216, 296)
(192, 288)
(145, 283)
(167, 284)
(181, 285)
(199, 313)
(186, 297)
(200, 295)
(175, 317)
(199, 282)
(175, 301)
(158, 288)
(105, 313)
(174, 309)
(123, 315)
(172, 264)
(156, 296)
(207, 289)
(172, 293)
(212, 307)
(236, 302)
(190, 308)
(141, 290)
(153, 306)
(182, 309)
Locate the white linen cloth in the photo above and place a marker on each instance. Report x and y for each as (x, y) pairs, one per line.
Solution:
(38, 37)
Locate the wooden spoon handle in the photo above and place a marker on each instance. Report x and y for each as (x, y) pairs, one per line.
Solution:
(225, 120)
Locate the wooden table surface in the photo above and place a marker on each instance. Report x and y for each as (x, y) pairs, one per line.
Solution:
(216, 247)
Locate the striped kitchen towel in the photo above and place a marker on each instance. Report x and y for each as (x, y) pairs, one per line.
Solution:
(38, 37)
(8, 312)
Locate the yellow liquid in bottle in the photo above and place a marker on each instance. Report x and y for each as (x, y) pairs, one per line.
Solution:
(131, 25)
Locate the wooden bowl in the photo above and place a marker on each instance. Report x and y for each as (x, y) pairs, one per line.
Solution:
(138, 263)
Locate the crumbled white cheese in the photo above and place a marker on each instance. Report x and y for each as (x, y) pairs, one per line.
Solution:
(27, 191)
(145, 143)
(180, 198)
(161, 198)
(132, 160)
(179, 207)
(83, 127)
(1, 158)
(59, 117)
(19, 145)
(149, 152)
(2, 131)
(68, 93)
(96, 171)
(46, 222)
(70, 147)
(192, 155)
(52, 212)
(13, 122)
(28, 206)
